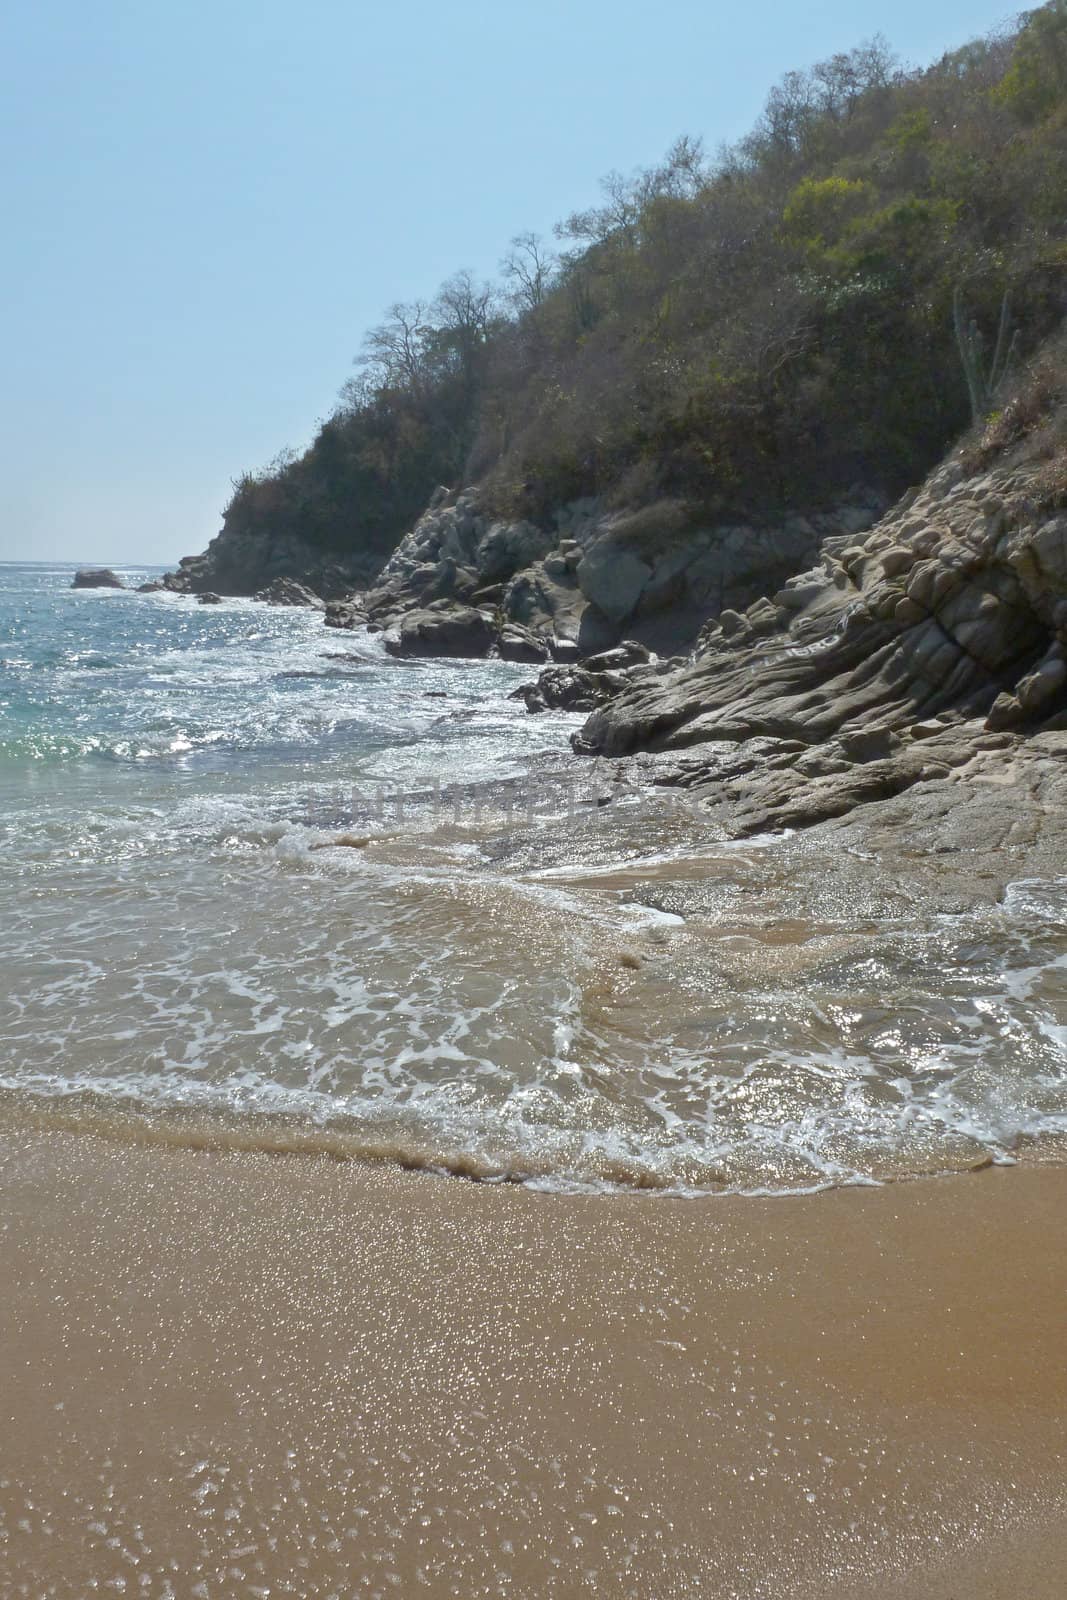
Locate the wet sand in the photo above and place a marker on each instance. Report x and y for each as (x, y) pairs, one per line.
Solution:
(231, 1374)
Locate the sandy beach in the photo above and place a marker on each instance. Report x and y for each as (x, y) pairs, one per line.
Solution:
(236, 1374)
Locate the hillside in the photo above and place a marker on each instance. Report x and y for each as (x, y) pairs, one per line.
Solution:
(712, 363)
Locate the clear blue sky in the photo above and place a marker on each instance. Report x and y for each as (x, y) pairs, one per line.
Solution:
(205, 205)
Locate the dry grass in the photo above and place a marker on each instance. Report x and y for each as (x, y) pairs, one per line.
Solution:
(1031, 429)
(655, 529)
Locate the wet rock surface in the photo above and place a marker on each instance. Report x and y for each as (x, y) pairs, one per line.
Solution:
(890, 840)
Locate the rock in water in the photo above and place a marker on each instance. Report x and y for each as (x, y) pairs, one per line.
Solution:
(345, 613)
(519, 644)
(97, 578)
(451, 631)
(288, 592)
(564, 688)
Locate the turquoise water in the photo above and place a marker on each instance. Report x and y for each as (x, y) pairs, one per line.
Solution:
(183, 934)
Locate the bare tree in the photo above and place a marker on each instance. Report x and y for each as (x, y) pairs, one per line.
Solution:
(832, 90)
(462, 314)
(680, 175)
(530, 268)
(841, 82)
(394, 353)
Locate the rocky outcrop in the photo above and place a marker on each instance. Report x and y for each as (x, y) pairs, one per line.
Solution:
(96, 578)
(558, 592)
(657, 573)
(566, 688)
(287, 592)
(598, 679)
(854, 681)
(596, 576)
(249, 562)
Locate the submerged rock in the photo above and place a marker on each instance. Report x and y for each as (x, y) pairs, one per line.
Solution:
(96, 578)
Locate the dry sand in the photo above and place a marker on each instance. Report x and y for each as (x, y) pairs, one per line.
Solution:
(231, 1374)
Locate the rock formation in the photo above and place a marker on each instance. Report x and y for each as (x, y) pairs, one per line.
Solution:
(442, 630)
(904, 655)
(96, 578)
(249, 563)
(598, 576)
(288, 592)
(595, 681)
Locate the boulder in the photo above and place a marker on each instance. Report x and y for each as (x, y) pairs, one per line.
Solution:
(564, 688)
(557, 608)
(613, 579)
(209, 598)
(519, 644)
(345, 613)
(446, 631)
(97, 578)
(567, 650)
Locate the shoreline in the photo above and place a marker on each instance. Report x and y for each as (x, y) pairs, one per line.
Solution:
(273, 1135)
(287, 1375)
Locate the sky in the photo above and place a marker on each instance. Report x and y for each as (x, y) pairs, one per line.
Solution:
(205, 205)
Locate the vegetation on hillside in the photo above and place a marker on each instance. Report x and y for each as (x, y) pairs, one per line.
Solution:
(763, 328)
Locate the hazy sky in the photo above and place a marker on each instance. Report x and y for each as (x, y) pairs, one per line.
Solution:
(205, 205)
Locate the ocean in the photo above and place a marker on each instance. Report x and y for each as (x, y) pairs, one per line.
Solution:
(265, 886)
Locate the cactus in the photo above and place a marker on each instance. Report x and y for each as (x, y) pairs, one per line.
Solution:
(984, 383)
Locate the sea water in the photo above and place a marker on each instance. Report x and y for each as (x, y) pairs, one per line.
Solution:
(264, 884)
